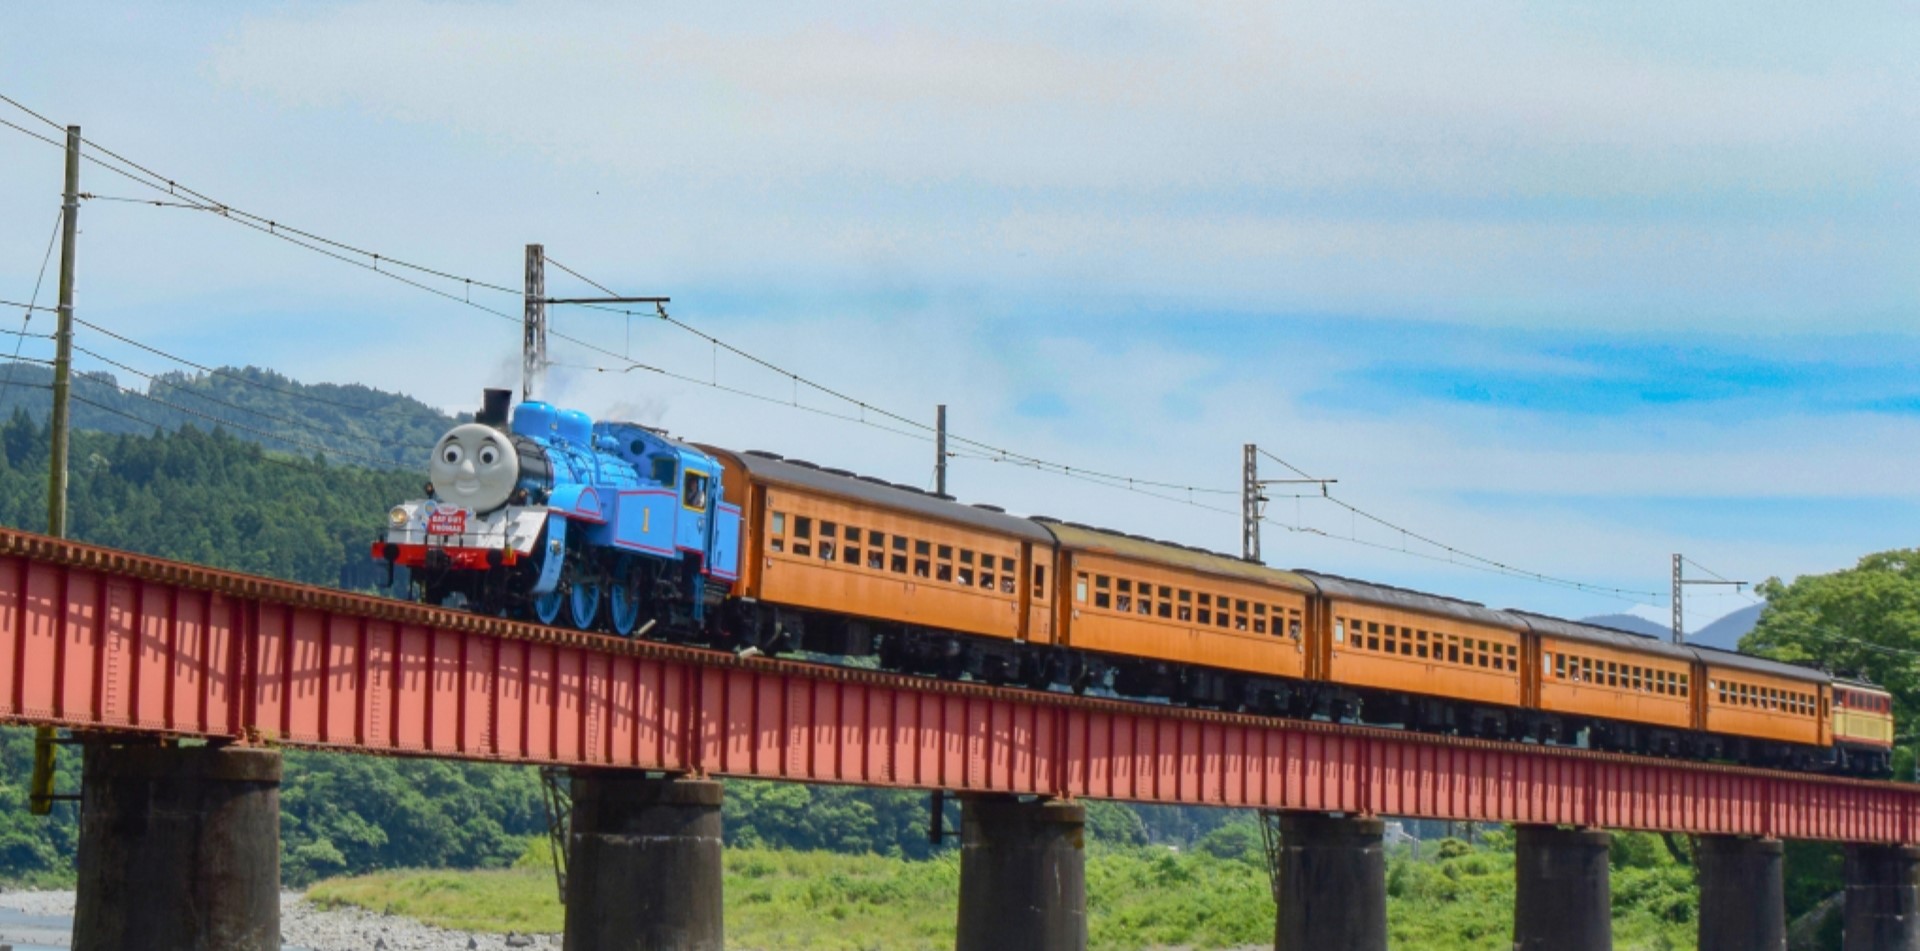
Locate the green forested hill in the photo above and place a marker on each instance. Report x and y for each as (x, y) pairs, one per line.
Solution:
(353, 423)
(210, 498)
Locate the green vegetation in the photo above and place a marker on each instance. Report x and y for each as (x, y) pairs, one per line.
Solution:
(1455, 897)
(1862, 621)
(356, 423)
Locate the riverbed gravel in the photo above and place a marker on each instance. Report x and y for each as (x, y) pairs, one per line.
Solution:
(302, 926)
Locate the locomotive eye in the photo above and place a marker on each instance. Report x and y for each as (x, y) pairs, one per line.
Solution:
(489, 455)
(451, 455)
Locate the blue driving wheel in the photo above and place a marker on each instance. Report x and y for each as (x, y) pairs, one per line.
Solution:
(546, 607)
(583, 597)
(623, 597)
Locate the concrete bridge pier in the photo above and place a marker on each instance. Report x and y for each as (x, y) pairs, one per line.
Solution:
(179, 848)
(1023, 875)
(1743, 897)
(1333, 884)
(1562, 896)
(1882, 909)
(643, 863)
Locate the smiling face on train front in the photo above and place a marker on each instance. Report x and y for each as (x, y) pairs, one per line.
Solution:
(474, 467)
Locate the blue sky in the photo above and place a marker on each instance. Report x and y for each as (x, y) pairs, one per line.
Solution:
(1573, 286)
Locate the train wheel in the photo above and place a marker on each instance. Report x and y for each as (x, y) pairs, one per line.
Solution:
(583, 598)
(546, 607)
(623, 597)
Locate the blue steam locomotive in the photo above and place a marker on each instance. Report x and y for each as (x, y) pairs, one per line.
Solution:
(545, 514)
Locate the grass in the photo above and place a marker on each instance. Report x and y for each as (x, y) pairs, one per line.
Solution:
(1137, 898)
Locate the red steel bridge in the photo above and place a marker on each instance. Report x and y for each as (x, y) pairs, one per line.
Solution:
(102, 640)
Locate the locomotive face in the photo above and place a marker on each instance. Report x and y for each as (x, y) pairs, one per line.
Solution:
(475, 467)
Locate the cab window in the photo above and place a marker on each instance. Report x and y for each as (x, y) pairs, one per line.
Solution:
(693, 491)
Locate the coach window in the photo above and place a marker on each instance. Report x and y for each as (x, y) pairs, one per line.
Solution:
(1124, 601)
(1373, 635)
(1206, 608)
(778, 542)
(1039, 582)
(965, 572)
(1102, 591)
(1339, 630)
(1560, 666)
(1453, 649)
(1513, 657)
(1080, 587)
(988, 579)
(1259, 619)
(1186, 605)
(1392, 639)
(1145, 602)
(850, 555)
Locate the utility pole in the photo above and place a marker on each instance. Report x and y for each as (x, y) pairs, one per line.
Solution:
(63, 345)
(940, 450)
(533, 346)
(1679, 584)
(1253, 501)
(1250, 500)
(40, 794)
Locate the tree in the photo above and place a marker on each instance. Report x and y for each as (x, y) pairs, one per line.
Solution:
(1861, 622)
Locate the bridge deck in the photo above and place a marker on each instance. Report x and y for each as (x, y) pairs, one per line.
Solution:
(92, 638)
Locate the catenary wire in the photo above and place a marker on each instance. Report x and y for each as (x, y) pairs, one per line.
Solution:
(218, 421)
(33, 302)
(241, 378)
(1503, 567)
(274, 228)
(154, 380)
(864, 406)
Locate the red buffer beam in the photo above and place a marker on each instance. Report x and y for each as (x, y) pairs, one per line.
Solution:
(92, 638)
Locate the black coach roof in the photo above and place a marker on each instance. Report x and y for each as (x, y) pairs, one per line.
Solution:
(805, 475)
(1551, 626)
(1405, 599)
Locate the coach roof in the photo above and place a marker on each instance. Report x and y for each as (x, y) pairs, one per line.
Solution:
(805, 475)
(1149, 551)
(1334, 586)
(1550, 626)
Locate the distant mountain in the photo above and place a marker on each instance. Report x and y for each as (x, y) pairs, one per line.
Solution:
(352, 424)
(1629, 622)
(1727, 632)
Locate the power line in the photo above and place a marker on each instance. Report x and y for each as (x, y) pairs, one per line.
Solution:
(1500, 566)
(238, 377)
(173, 187)
(123, 414)
(866, 407)
(153, 380)
(341, 251)
(33, 302)
(303, 444)
(28, 307)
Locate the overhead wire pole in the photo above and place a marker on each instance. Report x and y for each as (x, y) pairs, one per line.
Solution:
(1680, 581)
(940, 450)
(1252, 500)
(63, 345)
(533, 345)
(40, 794)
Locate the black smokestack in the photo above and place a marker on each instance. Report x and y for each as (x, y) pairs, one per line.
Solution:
(493, 408)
